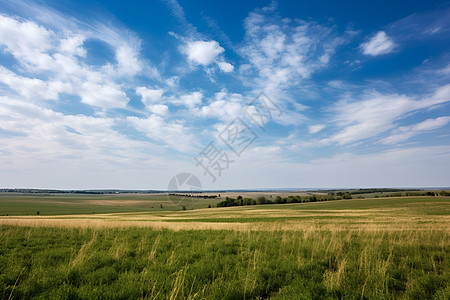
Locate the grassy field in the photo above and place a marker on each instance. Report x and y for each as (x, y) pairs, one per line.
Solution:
(361, 248)
(16, 204)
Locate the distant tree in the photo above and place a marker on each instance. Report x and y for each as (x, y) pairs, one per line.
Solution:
(38, 213)
(261, 200)
(239, 197)
(347, 196)
(247, 201)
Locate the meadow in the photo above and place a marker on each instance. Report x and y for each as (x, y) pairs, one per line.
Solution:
(14, 204)
(380, 248)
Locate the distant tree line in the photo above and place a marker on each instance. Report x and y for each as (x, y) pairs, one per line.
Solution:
(36, 191)
(194, 196)
(240, 201)
(369, 191)
(412, 194)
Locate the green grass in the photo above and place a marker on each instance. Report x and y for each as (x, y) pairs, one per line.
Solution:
(385, 248)
(372, 203)
(52, 263)
(18, 204)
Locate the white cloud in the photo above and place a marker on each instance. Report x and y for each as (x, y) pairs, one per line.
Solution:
(173, 135)
(225, 67)
(431, 124)
(149, 96)
(91, 153)
(378, 44)
(337, 84)
(189, 100)
(376, 113)
(27, 41)
(33, 88)
(46, 130)
(445, 70)
(441, 95)
(203, 52)
(406, 132)
(103, 95)
(273, 44)
(159, 109)
(57, 55)
(316, 128)
(173, 81)
(128, 60)
(283, 54)
(73, 45)
(224, 106)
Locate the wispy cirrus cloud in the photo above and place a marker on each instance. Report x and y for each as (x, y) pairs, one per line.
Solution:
(404, 133)
(423, 25)
(316, 128)
(377, 113)
(283, 54)
(433, 24)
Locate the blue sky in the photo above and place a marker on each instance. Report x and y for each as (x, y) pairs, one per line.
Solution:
(127, 94)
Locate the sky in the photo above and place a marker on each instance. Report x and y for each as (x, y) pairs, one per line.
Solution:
(240, 94)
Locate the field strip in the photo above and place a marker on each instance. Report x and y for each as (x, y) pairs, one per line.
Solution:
(437, 223)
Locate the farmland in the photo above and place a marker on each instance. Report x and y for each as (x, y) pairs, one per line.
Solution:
(15, 204)
(382, 248)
